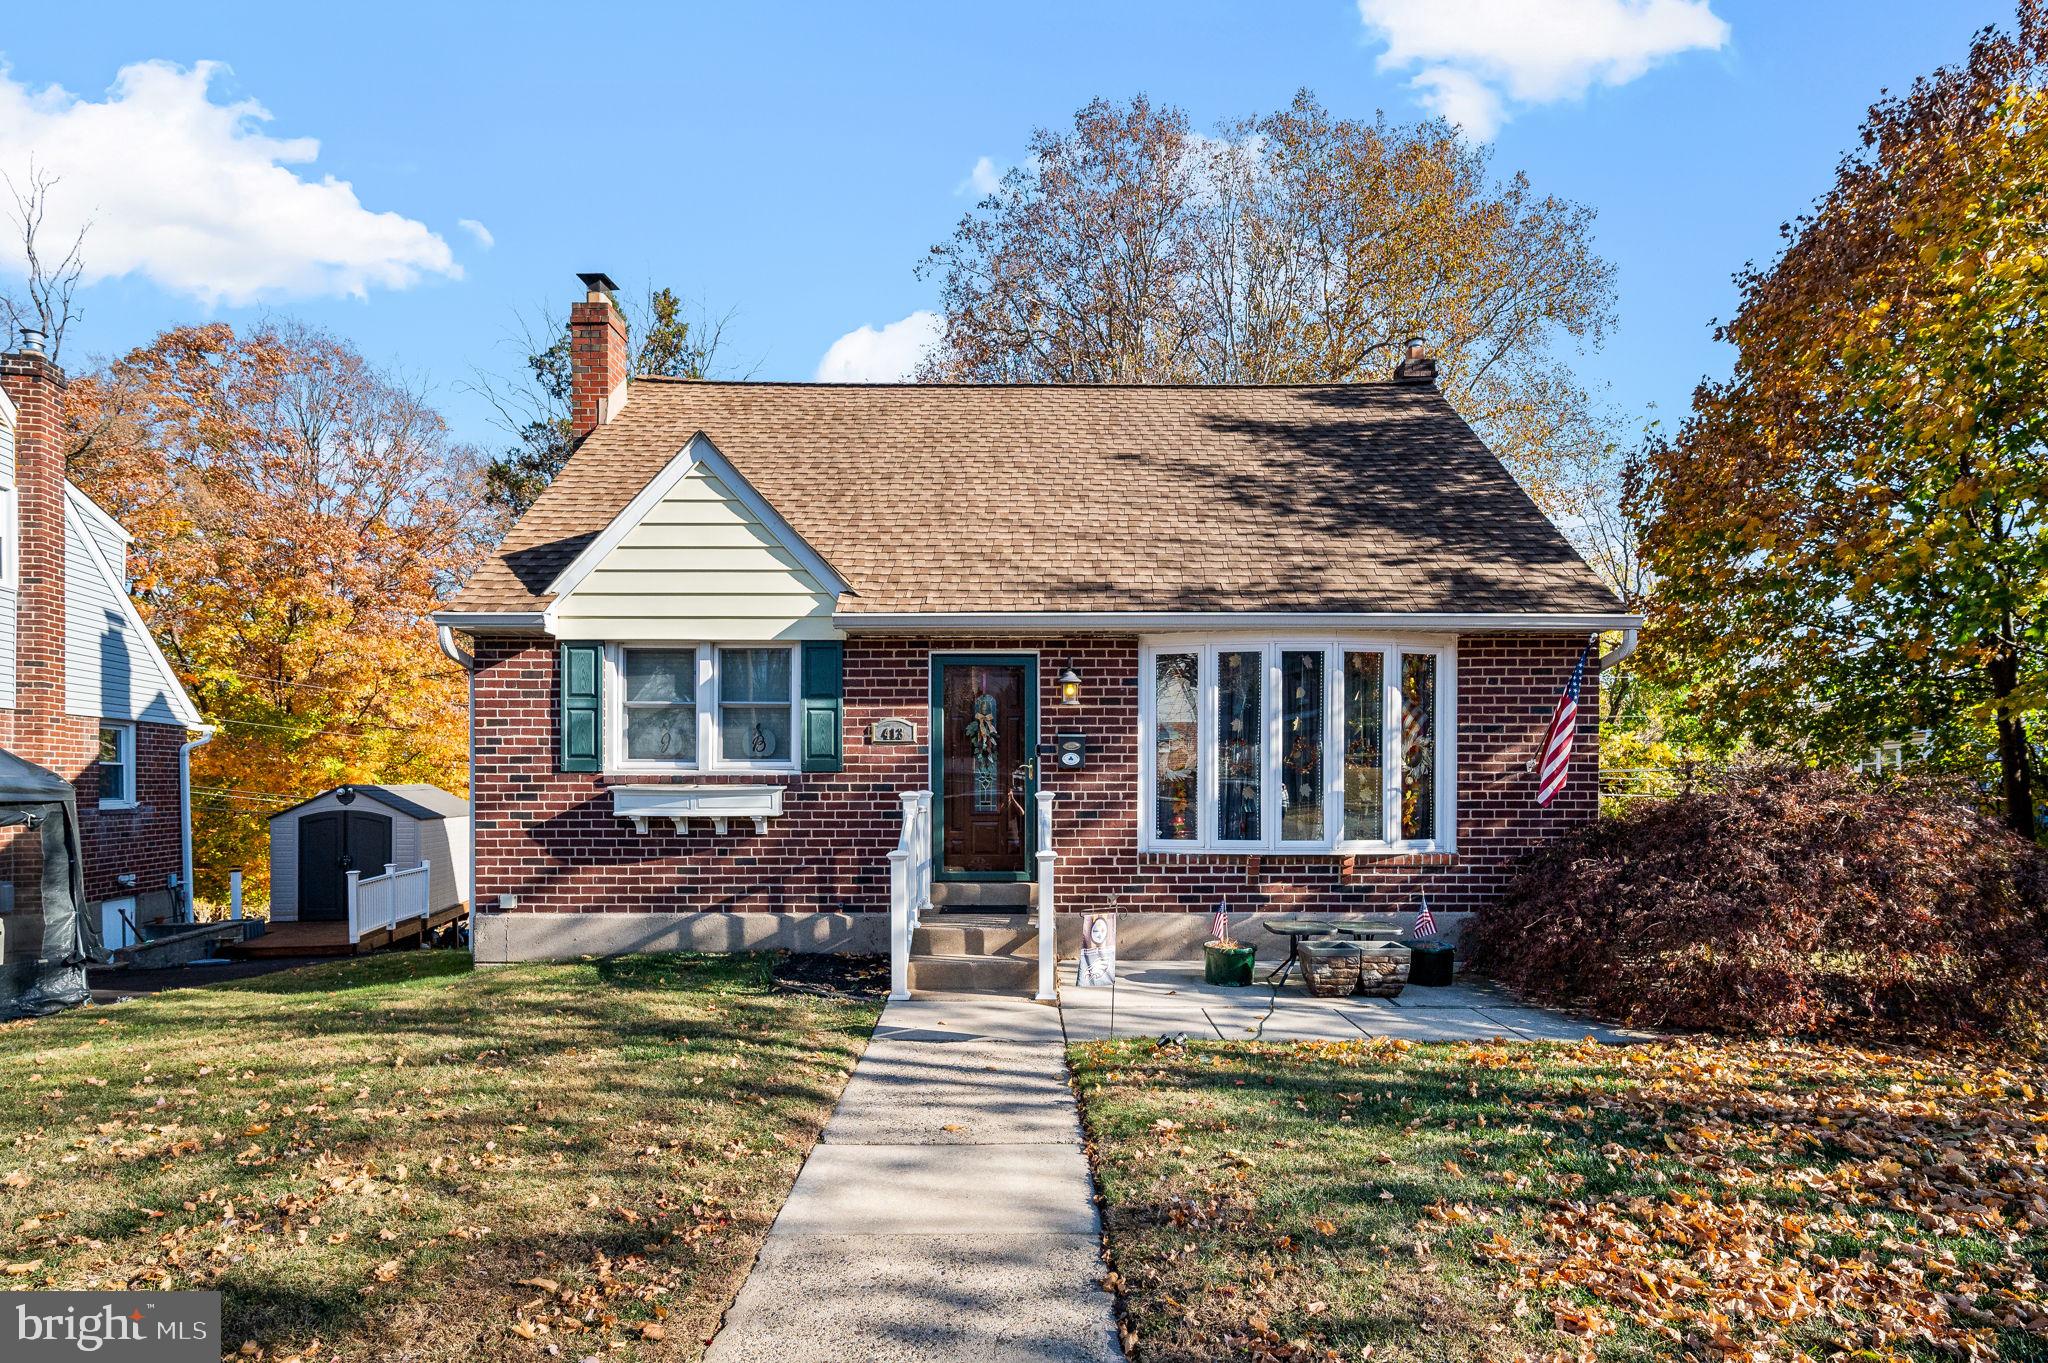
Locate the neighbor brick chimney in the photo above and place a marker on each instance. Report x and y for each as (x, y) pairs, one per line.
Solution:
(597, 357)
(1415, 366)
(40, 730)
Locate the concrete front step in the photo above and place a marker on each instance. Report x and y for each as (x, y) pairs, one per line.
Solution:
(978, 934)
(973, 974)
(984, 894)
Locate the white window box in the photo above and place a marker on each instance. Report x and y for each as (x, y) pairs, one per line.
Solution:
(679, 804)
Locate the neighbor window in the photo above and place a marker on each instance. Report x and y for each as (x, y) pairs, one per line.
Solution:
(117, 766)
(703, 707)
(1326, 745)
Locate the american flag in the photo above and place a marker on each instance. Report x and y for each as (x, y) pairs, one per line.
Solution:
(1219, 924)
(1425, 922)
(1564, 726)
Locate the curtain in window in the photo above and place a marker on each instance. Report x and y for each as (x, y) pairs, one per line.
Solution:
(1418, 747)
(1240, 745)
(753, 704)
(1301, 746)
(661, 703)
(1176, 749)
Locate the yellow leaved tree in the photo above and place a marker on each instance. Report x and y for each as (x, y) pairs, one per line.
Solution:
(297, 514)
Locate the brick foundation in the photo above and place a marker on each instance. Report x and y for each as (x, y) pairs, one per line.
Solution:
(550, 838)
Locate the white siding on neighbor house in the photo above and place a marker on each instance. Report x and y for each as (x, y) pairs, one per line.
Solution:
(110, 669)
(698, 566)
(442, 843)
(106, 532)
(9, 598)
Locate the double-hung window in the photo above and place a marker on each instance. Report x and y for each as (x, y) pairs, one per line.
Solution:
(1297, 745)
(117, 765)
(702, 707)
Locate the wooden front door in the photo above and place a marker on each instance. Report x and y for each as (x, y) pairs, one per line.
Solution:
(984, 725)
(331, 844)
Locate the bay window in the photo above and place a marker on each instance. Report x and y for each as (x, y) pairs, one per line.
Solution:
(686, 707)
(1297, 745)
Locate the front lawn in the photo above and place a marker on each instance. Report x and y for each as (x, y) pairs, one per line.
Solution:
(397, 1158)
(1706, 1200)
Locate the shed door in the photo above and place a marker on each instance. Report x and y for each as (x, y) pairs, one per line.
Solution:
(331, 844)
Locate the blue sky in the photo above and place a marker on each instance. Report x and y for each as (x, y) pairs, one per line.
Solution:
(793, 162)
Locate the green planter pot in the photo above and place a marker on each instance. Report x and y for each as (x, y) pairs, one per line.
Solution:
(1432, 964)
(1227, 965)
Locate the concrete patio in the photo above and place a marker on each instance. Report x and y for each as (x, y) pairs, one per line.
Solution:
(1153, 998)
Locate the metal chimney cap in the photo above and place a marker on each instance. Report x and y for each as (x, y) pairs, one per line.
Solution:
(32, 339)
(598, 282)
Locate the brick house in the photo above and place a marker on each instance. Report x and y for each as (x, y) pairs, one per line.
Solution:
(1282, 648)
(84, 691)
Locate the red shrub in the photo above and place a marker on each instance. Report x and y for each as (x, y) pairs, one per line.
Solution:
(1783, 900)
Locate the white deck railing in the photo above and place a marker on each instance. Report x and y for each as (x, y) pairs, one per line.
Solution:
(383, 902)
(910, 886)
(1048, 920)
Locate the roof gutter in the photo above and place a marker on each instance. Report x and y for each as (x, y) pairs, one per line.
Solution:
(204, 736)
(1619, 651)
(486, 622)
(466, 660)
(863, 622)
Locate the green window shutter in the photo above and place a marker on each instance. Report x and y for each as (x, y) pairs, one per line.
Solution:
(824, 706)
(582, 675)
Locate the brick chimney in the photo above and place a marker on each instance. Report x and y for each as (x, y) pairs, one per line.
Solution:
(597, 357)
(40, 730)
(1415, 366)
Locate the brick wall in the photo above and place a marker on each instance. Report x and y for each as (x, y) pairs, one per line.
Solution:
(550, 837)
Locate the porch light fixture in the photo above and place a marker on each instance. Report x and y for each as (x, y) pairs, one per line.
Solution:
(1070, 686)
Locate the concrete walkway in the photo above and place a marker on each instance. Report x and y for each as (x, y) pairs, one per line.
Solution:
(1154, 998)
(947, 1212)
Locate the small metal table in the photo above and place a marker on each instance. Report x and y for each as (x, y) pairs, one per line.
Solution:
(1295, 930)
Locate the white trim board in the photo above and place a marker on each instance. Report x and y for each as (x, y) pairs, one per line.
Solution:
(898, 622)
(698, 453)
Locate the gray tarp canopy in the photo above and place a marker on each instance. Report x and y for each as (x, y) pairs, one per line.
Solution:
(53, 975)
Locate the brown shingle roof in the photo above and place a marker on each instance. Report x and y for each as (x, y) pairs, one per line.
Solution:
(1362, 497)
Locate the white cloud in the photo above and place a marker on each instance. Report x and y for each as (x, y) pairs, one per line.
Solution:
(983, 180)
(479, 231)
(865, 355)
(1472, 58)
(195, 196)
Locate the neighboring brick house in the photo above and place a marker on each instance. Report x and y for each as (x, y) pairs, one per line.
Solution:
(84, 691)
(1304, 640)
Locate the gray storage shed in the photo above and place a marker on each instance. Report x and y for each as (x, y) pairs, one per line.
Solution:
(314, 844)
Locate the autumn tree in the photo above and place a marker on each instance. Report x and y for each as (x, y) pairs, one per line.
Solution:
(297, 514)
(665, 337)
(1849, 532)
(1287, 248)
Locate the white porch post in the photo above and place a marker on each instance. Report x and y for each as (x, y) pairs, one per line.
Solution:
(1048, 919)
(355, 930)
(235, 896)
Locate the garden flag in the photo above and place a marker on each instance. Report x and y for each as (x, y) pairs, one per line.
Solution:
(1425, 922)
(1564, 727)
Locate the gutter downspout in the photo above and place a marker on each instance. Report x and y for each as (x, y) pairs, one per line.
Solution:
(445, 635)
(1619, 652)
(185, 750)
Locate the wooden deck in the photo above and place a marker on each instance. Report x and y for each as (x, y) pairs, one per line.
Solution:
(330, 938)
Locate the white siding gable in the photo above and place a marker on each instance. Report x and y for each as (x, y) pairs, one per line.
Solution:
(112, 668)
(699, 555)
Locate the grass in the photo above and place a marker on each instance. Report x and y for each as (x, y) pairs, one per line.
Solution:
(398, 1157)
(1703, 1200)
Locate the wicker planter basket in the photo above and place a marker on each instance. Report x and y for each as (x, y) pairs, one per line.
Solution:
(1382, 968)
(1329, 967)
